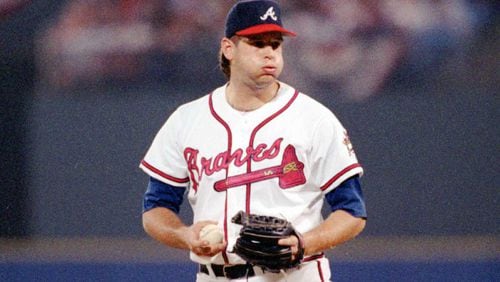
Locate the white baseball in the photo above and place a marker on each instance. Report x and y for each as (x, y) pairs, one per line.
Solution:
(212, 234)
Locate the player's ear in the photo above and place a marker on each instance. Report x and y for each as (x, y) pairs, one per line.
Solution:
(227, 48)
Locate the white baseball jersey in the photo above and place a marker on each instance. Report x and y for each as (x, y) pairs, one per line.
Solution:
(278, 160)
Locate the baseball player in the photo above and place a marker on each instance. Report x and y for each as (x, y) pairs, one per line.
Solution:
(255, 145)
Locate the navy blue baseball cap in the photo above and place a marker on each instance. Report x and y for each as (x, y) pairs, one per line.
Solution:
(254, 17)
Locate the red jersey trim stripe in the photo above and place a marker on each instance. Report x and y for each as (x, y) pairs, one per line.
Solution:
(252, 139)
(340, 174)
(162, 174)
(320, 271)
(313, 257)
(229, 148)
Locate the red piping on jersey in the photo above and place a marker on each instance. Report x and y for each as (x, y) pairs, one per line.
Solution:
(163, 174)
(252, 139)
(320, 271)
(314, 257)
(318, 264)
(229, 146)
(338, 175)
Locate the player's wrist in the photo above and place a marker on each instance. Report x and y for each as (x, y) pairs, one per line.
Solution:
(309, 245)
(301, 247)
(181, 236)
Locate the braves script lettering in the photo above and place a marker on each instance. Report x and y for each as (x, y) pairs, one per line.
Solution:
(223, 160)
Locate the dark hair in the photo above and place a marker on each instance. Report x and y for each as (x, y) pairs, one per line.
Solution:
(225, 65)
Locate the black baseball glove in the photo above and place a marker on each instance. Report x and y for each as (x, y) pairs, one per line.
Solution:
(258, 242)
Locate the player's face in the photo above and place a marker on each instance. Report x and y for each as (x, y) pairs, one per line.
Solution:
(258, 58)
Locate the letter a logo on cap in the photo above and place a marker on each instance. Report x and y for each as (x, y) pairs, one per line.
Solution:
(269, 13)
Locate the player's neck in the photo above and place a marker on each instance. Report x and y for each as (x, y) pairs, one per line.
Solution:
(245, 98)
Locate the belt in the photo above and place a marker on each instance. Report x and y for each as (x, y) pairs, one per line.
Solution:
(240, 270)
(229, 271)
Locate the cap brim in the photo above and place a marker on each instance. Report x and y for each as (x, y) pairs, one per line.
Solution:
(263, 28)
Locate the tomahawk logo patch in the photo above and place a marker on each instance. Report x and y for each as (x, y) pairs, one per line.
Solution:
(290, 173)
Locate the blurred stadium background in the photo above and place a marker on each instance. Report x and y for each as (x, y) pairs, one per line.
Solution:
(85, 85)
